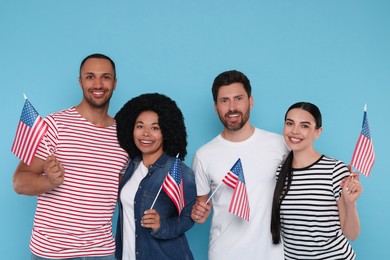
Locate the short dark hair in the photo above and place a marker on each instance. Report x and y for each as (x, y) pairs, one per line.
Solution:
(98, 56)
(230, 77)
(170, 119)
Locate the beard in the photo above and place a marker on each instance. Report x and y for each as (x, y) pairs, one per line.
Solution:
(236, 125)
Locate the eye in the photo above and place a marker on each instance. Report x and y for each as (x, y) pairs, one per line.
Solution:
(138, 126)
(288, 123)
(238, 99)
(107, 77)
(155, 128)
(224, 101)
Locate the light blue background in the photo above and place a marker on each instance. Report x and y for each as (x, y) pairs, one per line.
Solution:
(332, 53)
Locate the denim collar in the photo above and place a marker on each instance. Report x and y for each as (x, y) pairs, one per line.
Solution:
(160, 163)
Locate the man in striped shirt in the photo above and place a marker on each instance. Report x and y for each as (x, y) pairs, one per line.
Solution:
(75, 173)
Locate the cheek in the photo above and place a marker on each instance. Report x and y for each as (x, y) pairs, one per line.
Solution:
(285, 130)
(160, 139)
(136, 133)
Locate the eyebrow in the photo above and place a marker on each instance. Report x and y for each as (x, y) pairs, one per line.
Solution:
(232, 97)
(303, 122)
(142, 122)
(93, 73)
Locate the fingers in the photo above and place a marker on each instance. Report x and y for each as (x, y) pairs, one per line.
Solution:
(151, 219)
(54, 170)
(352, 187)
(200, 212)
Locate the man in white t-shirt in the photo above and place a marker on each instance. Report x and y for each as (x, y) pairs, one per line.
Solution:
(260, 152)
(75, 173)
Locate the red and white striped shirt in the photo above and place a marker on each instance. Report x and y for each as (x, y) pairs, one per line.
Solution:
(75, 219)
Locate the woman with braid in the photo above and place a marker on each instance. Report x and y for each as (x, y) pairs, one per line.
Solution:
(314, 205)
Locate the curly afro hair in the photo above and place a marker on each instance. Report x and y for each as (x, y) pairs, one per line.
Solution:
(170, 119)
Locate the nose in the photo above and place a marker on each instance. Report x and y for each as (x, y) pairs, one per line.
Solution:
(295, 130)
(145, 133)
(98, 83)
(232, 106)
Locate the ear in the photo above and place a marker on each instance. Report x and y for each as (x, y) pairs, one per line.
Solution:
(251, 102)
(215, 108)
(115, 84)
(80, 82)
(318, 132)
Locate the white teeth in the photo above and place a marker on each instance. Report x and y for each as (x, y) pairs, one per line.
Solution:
(146, 142)
(295, 139)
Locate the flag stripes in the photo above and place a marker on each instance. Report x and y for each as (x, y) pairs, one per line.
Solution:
(363, 157)
(175, 192)
(230, 179)
(29, 133)
(239, 204)
(173, 185)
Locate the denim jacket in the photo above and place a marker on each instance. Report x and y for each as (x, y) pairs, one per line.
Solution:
(169, 242)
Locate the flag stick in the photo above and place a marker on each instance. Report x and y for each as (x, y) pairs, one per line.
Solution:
(158, 193)
(212, 194)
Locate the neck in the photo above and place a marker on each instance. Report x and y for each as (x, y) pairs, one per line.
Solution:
(239, 135)
(96, 116)
(305, 158)
(149, 159)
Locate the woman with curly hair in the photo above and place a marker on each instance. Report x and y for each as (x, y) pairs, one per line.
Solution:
(151, 129)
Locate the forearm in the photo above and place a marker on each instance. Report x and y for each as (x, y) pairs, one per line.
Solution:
(28, 183)
(351, 223)
(30, 180)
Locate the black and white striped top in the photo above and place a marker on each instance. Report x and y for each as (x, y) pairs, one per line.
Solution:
(309, 214)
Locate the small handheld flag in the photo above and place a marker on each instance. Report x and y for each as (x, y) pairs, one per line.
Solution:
(239, 204)
(173, 186)
(363, 157)
(30, 131)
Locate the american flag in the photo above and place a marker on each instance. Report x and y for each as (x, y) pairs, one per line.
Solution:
(239, 204)
(173, 185)
(363, 157)
(29, 133)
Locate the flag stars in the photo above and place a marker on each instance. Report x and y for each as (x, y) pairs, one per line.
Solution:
(29, 114)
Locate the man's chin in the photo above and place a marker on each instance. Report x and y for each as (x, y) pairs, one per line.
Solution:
(234, 127)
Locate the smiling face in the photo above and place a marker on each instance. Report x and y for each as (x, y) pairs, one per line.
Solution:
(300, 130)
(97, 80)
(147, 135)
(233, 106)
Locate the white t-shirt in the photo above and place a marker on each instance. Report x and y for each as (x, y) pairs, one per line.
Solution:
(230, 236)
(127, 198)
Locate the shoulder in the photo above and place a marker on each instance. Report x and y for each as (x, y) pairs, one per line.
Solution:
(264, 134)
(271, 141)
(185, 168)
(64, 112)
(61, 114)
(212, 144)
(332, 161)
(338, 167)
